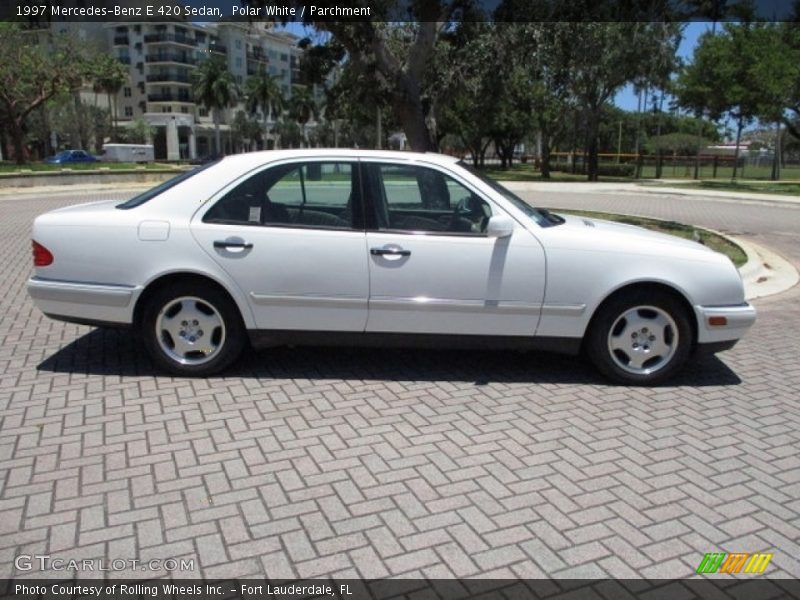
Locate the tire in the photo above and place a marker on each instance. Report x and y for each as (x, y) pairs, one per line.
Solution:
(192, 331)
(640, 338)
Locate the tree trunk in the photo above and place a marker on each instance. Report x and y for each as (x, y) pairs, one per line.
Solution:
(659, 154)
(412, 119)
(18, 140)
(776, 157)
(76, 102)
(545, 168)
(739, 126)
(593, 166)
(48, 147)
(217, 134)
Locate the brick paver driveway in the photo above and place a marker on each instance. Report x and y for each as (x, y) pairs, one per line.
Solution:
(315, 462)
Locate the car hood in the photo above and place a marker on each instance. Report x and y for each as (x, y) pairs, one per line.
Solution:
(611, 235)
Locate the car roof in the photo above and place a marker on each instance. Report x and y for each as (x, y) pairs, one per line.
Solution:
(258, 158)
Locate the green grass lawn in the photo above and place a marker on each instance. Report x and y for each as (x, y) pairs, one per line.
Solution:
(755, 179)
(14, 169)
(791, 188)
(712, 240)
(706, 172)
(527, 172)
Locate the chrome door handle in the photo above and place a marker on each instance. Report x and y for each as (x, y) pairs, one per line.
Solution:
(389, 252)
(240, 245)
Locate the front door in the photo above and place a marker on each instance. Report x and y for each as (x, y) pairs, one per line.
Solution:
(292, 238)
(433, 268)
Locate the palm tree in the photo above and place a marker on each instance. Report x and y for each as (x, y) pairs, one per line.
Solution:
(109, 77)
(264, 93)
(303, 108)
(216, 89)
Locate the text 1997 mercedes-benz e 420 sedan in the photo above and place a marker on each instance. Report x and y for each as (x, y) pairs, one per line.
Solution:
(370, 247)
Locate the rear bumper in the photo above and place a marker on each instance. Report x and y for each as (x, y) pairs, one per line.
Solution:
(735, 321)
(84, 302)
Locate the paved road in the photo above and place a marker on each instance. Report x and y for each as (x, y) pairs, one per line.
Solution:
(314, 462)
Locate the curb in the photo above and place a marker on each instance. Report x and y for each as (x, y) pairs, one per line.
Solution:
(765, 273)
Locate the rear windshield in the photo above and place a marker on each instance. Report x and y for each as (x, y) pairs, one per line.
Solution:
(162, 187)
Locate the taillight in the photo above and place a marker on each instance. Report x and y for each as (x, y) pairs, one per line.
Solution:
(41, 255)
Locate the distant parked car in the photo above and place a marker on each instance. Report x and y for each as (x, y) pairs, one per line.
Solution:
(387, 248)
(70, 156)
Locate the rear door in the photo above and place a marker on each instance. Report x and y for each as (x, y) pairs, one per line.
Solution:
(292, 237)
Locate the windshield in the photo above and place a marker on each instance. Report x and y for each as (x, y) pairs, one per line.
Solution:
(162, 187)
(540, 215)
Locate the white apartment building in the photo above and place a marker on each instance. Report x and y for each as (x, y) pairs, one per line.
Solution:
(162, 57)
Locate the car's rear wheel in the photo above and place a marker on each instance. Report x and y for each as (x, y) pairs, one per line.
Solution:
(641, 338)
(192, 331)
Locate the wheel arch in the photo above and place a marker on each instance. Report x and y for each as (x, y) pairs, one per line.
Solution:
(166, 279)
(639, 286)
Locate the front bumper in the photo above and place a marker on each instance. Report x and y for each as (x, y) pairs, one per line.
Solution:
(83, 302)
(723, 323)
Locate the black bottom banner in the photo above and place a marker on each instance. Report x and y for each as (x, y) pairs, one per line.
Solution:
(412, 589)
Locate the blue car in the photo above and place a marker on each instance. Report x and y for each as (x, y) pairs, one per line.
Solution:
(70, 156)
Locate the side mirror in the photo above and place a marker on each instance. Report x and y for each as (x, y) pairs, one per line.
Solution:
(500, 226)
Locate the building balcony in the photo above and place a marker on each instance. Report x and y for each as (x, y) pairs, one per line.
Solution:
(185, 98)
(257, 57)
(174, 58)
(169, 78)
(161, 38)
(218, 48)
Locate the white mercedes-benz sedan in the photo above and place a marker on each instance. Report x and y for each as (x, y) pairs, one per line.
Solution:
(378, 248)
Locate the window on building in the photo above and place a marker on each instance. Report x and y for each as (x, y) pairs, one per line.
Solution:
(166, 109)
(285, 57)
(185, 109)
(128, 111)
(239, 62)
(238, 44)
(126, 91)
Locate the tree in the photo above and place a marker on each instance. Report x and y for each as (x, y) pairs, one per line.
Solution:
(263, 93)
(611, 55)
(109, 76)
(746, 72)
(139, 132)
(215, 88)
(30, 75)
(302, 108)
(245, 128)
(395, 46)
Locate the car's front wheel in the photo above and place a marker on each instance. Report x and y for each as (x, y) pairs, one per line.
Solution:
(192, 331)
(641, 338)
